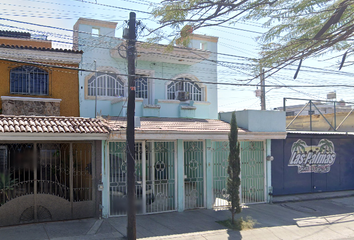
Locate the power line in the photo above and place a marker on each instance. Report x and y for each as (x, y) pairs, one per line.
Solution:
(176, 80)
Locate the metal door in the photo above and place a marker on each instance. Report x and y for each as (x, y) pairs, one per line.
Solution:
(220, 155)
(155, 177)
(252, 172)
(160, 177)
(194, 174)
(118, 178)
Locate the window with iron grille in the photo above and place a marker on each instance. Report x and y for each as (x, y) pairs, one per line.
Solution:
(108, 85)
(141, 87)
(29, 80)
(195, 92)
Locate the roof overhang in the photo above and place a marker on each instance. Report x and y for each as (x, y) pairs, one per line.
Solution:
(213, 135)
(11, 136)
(40, 56)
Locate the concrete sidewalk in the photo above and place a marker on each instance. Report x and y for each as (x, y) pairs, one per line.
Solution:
(317, 219)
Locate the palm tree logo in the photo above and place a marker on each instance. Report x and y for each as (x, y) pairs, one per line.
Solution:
(326, 146)
(299, 146)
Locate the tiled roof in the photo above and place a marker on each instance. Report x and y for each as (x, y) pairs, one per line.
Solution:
(172, 124)
(41, 124)
(41, 48)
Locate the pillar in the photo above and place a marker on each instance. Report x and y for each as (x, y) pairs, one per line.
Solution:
(180, 176)
(209, 175)
(105, 179)
(268, 170)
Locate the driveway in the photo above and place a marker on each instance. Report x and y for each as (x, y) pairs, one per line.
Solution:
(315, 219)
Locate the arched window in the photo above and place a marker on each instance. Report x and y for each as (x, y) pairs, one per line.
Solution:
(193, 90)
(141, 87)
(107, 85)
(29, 80)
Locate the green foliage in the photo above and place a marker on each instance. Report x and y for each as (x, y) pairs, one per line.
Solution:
(292, 24)
(234, 169)
(6, 182)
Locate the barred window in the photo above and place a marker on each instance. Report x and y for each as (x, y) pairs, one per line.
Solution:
(29, 80)
(107, 85)
(141, 87)
(195, 92)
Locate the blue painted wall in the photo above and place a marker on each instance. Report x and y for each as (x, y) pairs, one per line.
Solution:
(98, 48)
(257, 120)
(287, 180)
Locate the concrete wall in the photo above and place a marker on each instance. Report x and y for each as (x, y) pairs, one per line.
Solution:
(25, 107)
(63, 84)
(203, 71)
(257, 120)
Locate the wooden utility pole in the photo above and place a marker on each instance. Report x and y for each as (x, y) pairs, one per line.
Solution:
(131, 229)
(263, 101)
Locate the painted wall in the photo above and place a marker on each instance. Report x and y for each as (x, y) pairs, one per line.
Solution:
(307, 175)
(98, 49)
(63, 84)
(257, 120)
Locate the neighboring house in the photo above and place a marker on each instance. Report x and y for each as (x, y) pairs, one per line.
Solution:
(50, 159)
(50, 168)
(181, 146)
(26, 87)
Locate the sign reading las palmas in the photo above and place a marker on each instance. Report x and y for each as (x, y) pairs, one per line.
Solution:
(316, 159)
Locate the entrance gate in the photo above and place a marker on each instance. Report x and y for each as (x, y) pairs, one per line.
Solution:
(252, 172)
(155, 177)
(194, 175)
(46, 181)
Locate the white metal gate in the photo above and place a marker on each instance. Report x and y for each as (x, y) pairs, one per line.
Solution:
(194, 174)
(155, 177)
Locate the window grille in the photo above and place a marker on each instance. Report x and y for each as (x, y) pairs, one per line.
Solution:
(29, 80)
(141, 87)
(107, 86)
(185, 84)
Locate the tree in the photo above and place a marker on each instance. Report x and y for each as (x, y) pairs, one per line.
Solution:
(234, 169)
(297, 29)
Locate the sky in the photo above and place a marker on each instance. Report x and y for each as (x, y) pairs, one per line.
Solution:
(62, 14)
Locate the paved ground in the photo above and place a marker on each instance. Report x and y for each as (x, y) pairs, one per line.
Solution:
(315, 219)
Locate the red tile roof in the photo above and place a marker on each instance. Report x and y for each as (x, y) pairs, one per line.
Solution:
(172, 124)
(40, 124)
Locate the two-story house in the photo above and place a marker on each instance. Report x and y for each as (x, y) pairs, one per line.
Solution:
(48, 154)
(181, 146)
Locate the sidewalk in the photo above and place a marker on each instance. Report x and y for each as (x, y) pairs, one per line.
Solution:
(312, 196)
(317, 219)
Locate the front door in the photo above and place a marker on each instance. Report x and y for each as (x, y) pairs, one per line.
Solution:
(194, 174)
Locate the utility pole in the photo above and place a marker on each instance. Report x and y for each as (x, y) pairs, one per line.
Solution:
(263, 102)
(131, 229)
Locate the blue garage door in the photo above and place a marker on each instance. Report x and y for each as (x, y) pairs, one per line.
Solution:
(306, 163)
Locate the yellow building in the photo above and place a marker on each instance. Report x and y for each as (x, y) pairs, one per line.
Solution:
(34, 77)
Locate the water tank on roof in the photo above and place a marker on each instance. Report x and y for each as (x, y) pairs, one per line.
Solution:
(331, 95)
